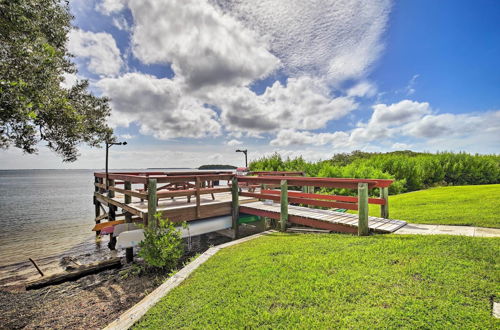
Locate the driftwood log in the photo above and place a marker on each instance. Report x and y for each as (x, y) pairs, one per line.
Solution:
(74, 274)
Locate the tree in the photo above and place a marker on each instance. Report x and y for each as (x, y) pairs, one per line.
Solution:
(34, 105)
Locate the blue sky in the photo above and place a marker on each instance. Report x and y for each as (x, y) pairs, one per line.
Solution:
(191, 81)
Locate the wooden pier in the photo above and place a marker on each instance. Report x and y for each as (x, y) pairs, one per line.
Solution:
(182, 196)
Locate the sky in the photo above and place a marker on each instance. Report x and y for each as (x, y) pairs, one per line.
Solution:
(191, 81)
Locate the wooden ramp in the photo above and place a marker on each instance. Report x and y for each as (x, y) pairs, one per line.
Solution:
(323, 219)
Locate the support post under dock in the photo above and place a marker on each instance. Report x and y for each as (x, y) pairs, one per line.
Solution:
(97, 205)
(129, 252)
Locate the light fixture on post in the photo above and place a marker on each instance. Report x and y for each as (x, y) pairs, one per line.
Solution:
(245, 152)
(108, 145)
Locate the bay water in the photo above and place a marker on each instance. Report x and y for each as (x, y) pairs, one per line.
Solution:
(45, 213)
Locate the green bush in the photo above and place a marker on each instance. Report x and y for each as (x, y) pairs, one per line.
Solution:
(410, 170)
(162, 244)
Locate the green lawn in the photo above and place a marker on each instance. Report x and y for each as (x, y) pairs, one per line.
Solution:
(339, 281)
(459, 205)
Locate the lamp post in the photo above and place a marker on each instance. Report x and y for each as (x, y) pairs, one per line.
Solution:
(108, 145)
(245, 152)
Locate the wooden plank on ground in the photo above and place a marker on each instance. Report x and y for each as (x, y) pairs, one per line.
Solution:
(74, 274)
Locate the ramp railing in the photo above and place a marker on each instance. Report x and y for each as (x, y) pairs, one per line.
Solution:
(285, 197)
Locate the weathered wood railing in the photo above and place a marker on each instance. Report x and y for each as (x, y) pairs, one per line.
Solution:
(277, 173)
(284, 196)
(200, 183)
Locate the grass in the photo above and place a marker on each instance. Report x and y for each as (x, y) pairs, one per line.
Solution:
(457, 205)
(338, 281)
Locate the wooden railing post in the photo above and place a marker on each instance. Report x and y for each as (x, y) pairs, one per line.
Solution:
(101, 181)
(198, 196)
(111, 194)
(384, 209)
(145, 190)
(235, 211)
(308, 190)
(284, 205)
(128, 186)
(363, 229)
(152, 202)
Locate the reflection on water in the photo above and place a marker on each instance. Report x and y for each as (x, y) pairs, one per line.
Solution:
(44, 213)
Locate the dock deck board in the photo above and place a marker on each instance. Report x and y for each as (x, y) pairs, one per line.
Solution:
(346, 219)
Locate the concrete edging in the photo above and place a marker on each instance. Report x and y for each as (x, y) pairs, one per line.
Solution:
(133, 314)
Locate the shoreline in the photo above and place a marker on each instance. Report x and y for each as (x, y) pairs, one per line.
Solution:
(16, 273)
(92, 301)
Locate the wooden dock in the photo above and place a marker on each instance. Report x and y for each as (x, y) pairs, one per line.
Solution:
(204, 195)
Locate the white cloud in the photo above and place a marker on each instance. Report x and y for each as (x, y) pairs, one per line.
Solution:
(401, 146)
(204, 46)
(398, 113)
(304, 103)
(159, 106)
(416, 120)
(291, 137)
(410, 88)
(362, 89)
(455, 125)
(387, 120)
(234, 142)
(121, 23)
(216, 54)
(69, 80)
(337, 39)
(98, 48)
(110, 6)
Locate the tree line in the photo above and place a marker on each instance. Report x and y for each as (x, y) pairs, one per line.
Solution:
(410, 170)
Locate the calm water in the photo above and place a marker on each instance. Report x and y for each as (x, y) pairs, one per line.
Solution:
(44, 212)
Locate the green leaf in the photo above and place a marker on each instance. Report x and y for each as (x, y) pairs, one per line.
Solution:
(32, 115)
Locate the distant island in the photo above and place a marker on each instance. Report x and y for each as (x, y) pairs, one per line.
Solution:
(217, 167)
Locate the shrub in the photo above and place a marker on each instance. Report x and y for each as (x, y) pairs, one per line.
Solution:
(410, 170)
(162, 244)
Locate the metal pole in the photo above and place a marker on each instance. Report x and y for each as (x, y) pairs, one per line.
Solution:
(245, 152)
